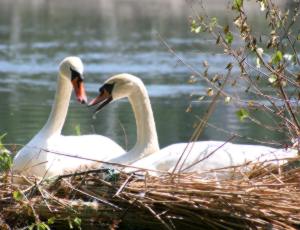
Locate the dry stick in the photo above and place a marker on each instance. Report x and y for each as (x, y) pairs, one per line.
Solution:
(105, 170)
(79, 184)
(94, 197)
(206, 157)
(269, 98)
(103, 162)
(261, 94)
(286, 31)
(280, 77)
(201, 125)
(123, 185)
(229, 48)
(286, 100)
(155, 215)
(190, 67)
(36, 216)
(43, 196)
(271, 70)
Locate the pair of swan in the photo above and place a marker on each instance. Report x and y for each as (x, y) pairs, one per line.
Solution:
(39, 157)
(200, 156)
(42, 156)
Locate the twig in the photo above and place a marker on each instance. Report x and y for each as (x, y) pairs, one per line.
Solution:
(91, 196)
(123, 185)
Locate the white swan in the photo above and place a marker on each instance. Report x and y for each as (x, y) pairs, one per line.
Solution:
(39, 157)
(146, 153)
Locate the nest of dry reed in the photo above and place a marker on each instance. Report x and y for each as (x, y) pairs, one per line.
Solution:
(264, 198)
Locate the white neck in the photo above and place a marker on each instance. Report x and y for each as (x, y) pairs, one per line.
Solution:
(59, 108)
(147, 142)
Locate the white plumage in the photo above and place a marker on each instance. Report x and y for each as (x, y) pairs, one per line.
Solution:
(203, 155)
(41, 156)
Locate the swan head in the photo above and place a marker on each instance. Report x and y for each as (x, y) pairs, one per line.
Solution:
(71, 69)
(115, 88)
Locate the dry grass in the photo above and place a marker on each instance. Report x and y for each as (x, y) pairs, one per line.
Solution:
(265, 197)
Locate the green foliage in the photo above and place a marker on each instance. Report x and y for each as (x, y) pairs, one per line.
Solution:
(229, 38)
(228, 35)
(17, 195)
(237, 4)
(272, 79)
(51, 220)
(277, 57)
(5, 161)
(42, 225)
(77, 130)
(5, 157)
(213, 23)
(2, 147)
(77, 222)
(195, 28)
(275, 50)
(39, 226)
(74, 223)
(242, 114)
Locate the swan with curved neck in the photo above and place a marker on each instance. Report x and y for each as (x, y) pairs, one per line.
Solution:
(125, 85)
(45, 154)
(146, 152)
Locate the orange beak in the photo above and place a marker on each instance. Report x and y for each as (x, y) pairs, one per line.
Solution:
(102, 100)
(79, 90)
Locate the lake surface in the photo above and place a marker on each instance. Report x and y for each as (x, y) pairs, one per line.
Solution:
(112, 37)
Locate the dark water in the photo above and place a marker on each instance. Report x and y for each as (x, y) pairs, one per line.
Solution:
(111, 37)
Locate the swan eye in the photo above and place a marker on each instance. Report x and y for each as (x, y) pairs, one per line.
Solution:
(107, 87)
(75, 75)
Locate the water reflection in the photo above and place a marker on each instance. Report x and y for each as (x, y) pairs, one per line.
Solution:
(110, 37)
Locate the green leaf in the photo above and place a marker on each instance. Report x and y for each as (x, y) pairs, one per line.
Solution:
(195, 28)
(277, 57)
(242, 114)
(77, 222)
(298, 37)
(229, 38)
(2, 136)
(5, 160)
(31, 227)
(272, 79)
(198, 30)
(237, 4)
(17, 195)
(213, 21)
(2, 147)
(42, 226)
(77, 130)
(51, 220)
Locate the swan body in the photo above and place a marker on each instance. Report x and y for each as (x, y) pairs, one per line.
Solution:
(42, 156)
(203, 155)
(207, 155)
